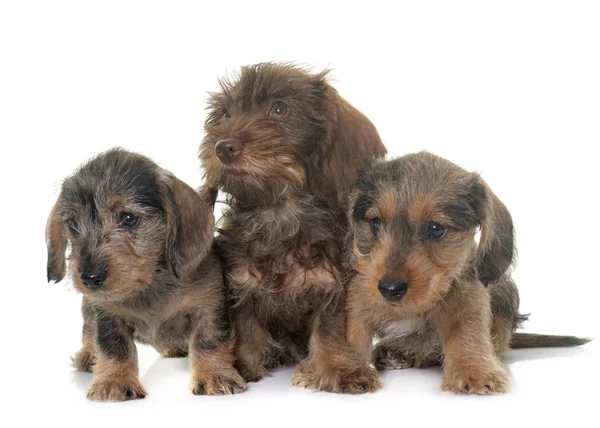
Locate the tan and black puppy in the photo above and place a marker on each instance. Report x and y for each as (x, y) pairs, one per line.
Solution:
(422, 284)
(286, 147)
(140, 253)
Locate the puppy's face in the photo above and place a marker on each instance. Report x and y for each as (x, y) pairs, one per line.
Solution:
(276, 129)
(260, 130)
(414, 221)
(120, 214)
(116, 238)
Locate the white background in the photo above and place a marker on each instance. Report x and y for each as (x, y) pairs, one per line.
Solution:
(510, 89)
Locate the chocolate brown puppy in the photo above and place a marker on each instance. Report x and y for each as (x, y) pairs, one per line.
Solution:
(422, 284)
(140, 253)
(286, 147)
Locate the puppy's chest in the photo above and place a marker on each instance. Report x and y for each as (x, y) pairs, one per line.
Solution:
(160, 329)
(402, 327)
(415, 326)
(278, 267)
(169, 333)
(283, 276)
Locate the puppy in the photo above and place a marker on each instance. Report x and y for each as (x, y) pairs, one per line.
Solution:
(286, 148)
(140, 253)
(422, 284)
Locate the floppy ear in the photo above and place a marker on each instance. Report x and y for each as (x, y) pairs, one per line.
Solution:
(190, 225)
(358, 203)
(56, 242)
(496, 245)
(349, 143)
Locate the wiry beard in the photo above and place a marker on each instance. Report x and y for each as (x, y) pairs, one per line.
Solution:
(256, 179)
(249, 191)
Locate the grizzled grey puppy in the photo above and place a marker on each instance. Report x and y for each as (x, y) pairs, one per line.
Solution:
(141, 254)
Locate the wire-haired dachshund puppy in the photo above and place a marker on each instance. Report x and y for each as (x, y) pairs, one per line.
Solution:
(422, 284)
(140, 253)
(286, 148)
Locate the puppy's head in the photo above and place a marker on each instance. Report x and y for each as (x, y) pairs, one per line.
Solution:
(277, 128)
(414, 220)
(125, 219)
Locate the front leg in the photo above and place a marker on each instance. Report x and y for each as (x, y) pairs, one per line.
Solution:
(250, 343)
(116, 366)
(333, 365)
(211, 356)
(359, 335)
(471, 365)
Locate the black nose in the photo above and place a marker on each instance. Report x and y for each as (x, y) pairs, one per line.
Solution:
(392, 290)
(228, 150)
(93, 278)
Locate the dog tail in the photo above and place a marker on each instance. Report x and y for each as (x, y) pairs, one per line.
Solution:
(529, 340)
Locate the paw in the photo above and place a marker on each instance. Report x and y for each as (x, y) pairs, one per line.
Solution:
(227, 382)
(116, 389)
(481, 381)
(83, 360)
(175, 353)
(304, 376)
(252, 374)
(387, 359)
(357, 380)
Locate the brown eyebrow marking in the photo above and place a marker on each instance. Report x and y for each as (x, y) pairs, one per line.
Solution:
(387, 203)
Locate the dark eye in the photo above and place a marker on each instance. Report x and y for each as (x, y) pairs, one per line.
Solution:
(278, 109)
(376, 224)
(227, 115)
(74, 227)
(436, 231)
(128, 220)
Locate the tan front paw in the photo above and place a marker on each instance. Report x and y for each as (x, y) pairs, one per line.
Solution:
(83, 360)
(479, 381)
(227, 382)
(116, 389)
(358, 380)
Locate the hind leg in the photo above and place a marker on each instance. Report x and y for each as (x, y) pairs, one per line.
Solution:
(504, 303)
(85, 358)
(251, 345)
(285, 352)
(412, 351)
(175, 352)
(501, 333)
